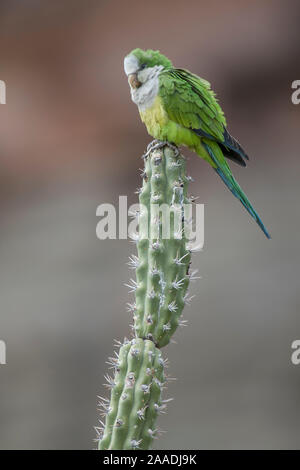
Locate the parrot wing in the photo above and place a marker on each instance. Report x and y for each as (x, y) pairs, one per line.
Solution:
(190, 102)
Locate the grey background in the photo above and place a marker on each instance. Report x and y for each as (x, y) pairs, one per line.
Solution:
(70, 139)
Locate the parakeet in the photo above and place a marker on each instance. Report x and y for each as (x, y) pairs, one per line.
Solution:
(180, 108)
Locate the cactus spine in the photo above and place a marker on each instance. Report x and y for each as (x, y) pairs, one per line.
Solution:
(162, 279)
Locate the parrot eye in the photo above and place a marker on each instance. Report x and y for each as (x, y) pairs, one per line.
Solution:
(142, 66)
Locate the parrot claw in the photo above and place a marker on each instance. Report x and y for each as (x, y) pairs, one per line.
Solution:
(157, 144)
(152, 144)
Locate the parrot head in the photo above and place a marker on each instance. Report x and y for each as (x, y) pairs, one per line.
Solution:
(138, 63)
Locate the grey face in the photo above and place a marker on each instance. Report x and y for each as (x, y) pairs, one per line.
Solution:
(131, 65)
(143, 82)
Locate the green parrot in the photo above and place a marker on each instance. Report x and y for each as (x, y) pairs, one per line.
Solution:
(180, 108)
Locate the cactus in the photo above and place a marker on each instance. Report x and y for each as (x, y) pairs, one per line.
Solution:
(161, 273)
(160, 288)
(135, 397)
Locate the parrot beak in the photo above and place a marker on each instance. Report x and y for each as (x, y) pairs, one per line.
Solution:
(133, 80)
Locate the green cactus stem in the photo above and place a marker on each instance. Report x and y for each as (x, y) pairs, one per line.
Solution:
(163, 258)
(135, 397)
(160, 288)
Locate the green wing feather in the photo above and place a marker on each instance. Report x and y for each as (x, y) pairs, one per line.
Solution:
(190, 102)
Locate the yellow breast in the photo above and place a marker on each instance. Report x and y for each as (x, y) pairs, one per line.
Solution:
(155, 118)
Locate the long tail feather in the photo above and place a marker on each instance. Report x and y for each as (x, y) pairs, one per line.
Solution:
(238, 193)
(225, 173)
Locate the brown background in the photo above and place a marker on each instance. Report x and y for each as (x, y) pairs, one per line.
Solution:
(70, 139)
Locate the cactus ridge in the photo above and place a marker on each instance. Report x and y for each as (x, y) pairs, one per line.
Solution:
(160, 290)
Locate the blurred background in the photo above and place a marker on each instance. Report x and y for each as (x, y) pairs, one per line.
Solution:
(71, 139)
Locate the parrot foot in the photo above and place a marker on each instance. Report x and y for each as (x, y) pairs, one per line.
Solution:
(157, 144)
(152, 144)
